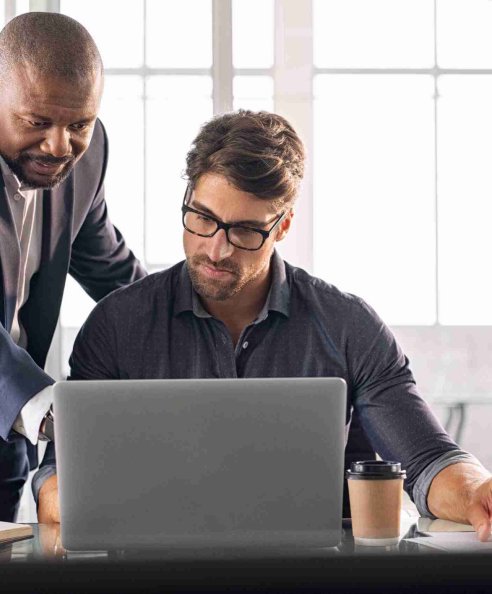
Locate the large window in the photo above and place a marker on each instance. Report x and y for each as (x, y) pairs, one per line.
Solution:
(402, 147)
(11, 8)
(391, 97)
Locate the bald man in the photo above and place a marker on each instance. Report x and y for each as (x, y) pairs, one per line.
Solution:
(53, 219)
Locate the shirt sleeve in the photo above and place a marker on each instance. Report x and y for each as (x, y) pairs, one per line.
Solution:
(423, 482)
(398, 422)
(29, 419)
(47, 468)
(95, 352)
(20, 380)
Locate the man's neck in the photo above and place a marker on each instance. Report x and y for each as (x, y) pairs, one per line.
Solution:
(242, 309)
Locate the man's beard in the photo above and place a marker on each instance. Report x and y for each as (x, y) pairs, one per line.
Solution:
(17, 167)
(216, 290)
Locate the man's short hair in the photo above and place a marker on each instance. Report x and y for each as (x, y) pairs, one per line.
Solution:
(257, 152)
(55, 45)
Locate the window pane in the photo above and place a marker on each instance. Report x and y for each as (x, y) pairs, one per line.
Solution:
(179, 34)
(253, 92)
(116, 25)
(465, 207)
(171, 128)
(374, 225)
(76, 306)
(252, 33)
(463, 33)
(21, 6)
(68, 335)
(122, 115)
(377, 34)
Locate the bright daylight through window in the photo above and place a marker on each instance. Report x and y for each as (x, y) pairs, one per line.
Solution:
(397, 131)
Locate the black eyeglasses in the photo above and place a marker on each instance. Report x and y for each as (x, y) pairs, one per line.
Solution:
(240, 236)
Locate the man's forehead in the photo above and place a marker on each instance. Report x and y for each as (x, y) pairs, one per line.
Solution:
(31, 86)
(214, 194)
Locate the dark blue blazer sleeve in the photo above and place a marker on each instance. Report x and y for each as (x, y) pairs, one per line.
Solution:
(100, 259)
(83, 240)
(20, 380)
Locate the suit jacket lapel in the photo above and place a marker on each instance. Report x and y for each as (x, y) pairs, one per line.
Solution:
(9, 260)
(57, 224)
(40, 313)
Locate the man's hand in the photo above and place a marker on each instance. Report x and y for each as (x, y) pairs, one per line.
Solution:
(462, 493)
(49, 537)
(480, 509)
(48, 504)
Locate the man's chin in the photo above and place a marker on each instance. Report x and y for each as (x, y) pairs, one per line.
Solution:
(34, 180)
(215, 291)
(46, 184)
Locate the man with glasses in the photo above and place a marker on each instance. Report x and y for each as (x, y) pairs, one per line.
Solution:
(234, 308)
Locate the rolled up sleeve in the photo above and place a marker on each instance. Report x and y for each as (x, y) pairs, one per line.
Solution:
(423, 482)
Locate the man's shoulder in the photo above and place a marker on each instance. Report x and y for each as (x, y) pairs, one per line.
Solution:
(87, 177)
(313, 287)
(97, 147)
(330, 306)
(159, 285)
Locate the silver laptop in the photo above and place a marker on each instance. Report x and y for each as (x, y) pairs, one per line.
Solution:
(200, 463)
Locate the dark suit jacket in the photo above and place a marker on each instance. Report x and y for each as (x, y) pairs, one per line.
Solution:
(78, 238)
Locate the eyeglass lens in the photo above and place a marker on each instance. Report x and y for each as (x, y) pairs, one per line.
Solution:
(239, 236)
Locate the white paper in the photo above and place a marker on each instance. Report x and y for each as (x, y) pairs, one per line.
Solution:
(427, 525)
(453, 541)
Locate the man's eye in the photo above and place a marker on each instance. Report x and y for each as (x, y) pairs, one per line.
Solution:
(204, 218)
(79, 127)
(36, 123)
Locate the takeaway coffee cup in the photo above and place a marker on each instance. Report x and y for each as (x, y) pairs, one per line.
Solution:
(375, 491)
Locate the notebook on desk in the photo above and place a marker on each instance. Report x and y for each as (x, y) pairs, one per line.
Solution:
(200, 463)
(10, 532)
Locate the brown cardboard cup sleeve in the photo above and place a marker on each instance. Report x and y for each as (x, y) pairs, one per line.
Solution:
(375, 491)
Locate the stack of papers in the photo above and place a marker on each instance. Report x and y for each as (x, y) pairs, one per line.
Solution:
(449, 536)
(458, 542)
(10, 531)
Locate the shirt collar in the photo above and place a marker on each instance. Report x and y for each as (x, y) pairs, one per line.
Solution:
(9, 175)
(11, 180)
(278, 298)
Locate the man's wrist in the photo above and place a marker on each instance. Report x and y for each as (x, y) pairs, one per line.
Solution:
(30, 417)
(453, 490)
(39, 479)
(47, 428)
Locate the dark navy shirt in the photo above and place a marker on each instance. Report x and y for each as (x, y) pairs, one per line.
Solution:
(158, 328)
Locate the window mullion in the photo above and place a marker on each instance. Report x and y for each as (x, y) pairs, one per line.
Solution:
(44, 5)
(222, 70)
(293, 98)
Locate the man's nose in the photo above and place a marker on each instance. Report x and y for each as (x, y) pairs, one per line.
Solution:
(219, 247)
(56, 142)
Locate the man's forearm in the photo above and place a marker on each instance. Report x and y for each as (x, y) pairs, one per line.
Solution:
(20, 380)
(453, 489)
(48, 504)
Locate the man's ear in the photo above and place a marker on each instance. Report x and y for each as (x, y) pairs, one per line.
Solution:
(284, 226)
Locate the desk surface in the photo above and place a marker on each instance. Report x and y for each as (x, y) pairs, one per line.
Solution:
(41, 565)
